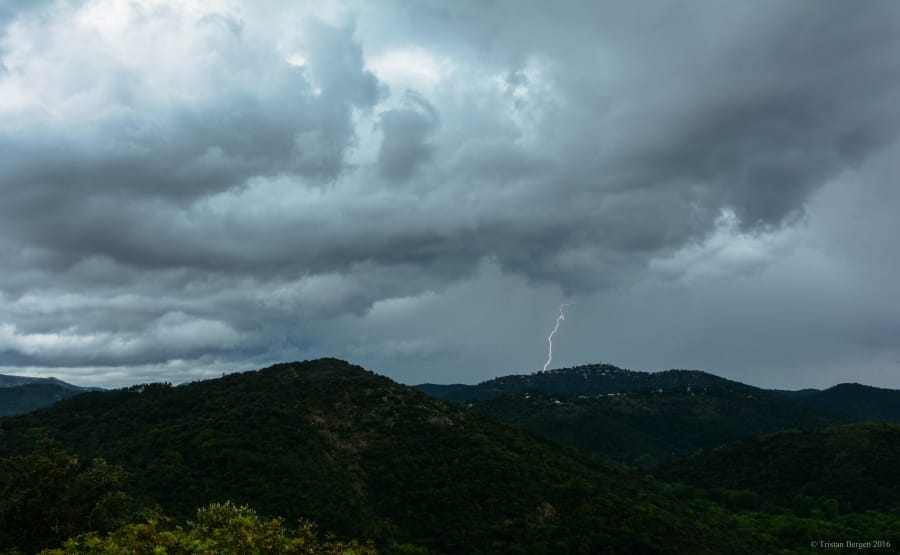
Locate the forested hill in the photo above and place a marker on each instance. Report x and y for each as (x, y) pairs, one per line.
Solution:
(646, 428)
(21, 394)
(367, 458)
(856, 402)
(643, 419)
(589, 380)
(855, 464)
(851, 402)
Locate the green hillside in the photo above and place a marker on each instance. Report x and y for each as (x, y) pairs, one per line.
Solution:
(364, 457)
(646, 418)
(20, 399)
(21, 394)
(647, 428)
(590, 380)
(371, 459)
(855, 464)
(857, 402)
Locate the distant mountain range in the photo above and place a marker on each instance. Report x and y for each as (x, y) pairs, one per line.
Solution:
(589, 380)
(21, 394)
(14, 381)
(643, 418)
(625, 416)
(856, 402)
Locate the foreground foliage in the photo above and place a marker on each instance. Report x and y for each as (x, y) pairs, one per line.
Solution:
(220, 529)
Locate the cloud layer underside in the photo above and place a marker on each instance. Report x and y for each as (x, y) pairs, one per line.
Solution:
(238, 171)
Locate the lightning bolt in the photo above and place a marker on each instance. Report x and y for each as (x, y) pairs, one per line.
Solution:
(560, 318)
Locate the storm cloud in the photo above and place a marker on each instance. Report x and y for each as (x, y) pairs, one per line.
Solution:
(189, 189)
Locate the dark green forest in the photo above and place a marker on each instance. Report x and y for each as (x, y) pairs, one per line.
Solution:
(643, 419)
(646, 428)
(588, 380)
(371, 460)
(854, 464)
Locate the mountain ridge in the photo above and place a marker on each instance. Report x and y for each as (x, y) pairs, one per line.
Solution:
(23, 394)
(645, 418)
(10, 380)
(589, 379)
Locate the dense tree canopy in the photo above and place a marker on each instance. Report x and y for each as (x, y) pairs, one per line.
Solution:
(47, 496)
(366, 458)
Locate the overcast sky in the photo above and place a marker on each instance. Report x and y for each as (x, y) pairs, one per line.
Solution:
(194, 188)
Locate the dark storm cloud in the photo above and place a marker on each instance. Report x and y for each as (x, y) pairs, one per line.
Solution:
(222, 185)
(753, 114)
(649, 121)
(405, 133)
(776, 116)
(124, 163)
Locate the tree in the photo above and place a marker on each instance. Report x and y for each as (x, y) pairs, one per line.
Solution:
(47, 496)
